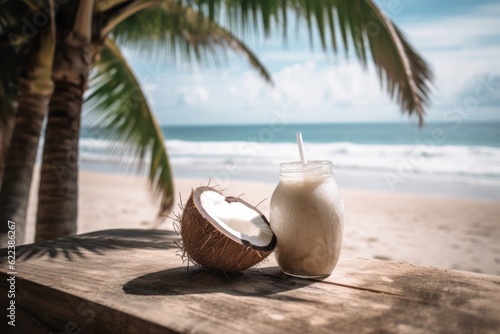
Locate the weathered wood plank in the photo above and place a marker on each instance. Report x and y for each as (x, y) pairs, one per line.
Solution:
(134, 281)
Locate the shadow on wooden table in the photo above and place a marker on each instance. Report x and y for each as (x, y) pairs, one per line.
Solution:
(264, 283)
(131, 281)
(99, 242)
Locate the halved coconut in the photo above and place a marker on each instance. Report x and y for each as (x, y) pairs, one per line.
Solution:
(224, 233)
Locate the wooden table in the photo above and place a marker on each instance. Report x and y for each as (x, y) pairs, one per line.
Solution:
(134, 281)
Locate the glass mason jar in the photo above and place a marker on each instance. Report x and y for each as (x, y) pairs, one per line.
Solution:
(307, 217)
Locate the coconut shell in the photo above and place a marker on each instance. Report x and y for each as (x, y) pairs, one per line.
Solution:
(206, 244)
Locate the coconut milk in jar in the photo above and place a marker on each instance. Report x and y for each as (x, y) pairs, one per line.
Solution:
(307, 217)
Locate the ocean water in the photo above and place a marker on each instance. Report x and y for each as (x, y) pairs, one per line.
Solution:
(447, 159)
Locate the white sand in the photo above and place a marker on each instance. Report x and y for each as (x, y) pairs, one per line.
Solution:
(442, 232)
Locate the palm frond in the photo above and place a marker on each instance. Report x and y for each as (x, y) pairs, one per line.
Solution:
(407, 74)
(361, 27)
(118, 106)
(13, 10)
(174, 30)
(13, 16)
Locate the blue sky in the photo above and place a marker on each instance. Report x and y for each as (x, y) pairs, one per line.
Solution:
(460, 39)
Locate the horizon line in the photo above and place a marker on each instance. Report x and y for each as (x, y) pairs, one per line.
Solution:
(328, 123)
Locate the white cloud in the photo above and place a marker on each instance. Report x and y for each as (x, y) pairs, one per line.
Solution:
(454, 32)
(292, 56)
(461, 49)
(313, 91)
(310, 86)
(192, 96)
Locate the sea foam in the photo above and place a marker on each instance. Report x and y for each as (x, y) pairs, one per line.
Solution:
(469, 161)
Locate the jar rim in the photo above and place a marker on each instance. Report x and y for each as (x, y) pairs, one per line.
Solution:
(313, 166)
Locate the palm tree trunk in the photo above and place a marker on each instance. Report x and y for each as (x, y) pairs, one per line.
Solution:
(5, 137)
(20, 161)
(58, 192)
(35, 89)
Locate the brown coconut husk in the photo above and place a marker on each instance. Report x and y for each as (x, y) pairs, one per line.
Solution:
(207, 244)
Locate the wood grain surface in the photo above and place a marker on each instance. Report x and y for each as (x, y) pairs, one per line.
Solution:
(134, 281)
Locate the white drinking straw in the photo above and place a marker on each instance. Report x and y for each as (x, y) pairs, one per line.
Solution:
(301, 147)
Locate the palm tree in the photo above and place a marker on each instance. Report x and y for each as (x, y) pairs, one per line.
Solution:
(58, 192)
(35, 86)
(130, 120)
(153, 25)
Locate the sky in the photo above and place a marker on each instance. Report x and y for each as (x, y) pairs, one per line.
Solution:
(459, 38)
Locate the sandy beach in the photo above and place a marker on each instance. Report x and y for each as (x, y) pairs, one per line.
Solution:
(448, 233)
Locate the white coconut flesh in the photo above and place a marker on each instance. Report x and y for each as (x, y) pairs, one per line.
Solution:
(237, 219)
